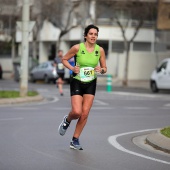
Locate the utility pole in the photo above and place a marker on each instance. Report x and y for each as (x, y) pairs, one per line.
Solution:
(25, 26)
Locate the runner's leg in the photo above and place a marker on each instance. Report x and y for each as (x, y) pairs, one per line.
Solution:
(87, 104)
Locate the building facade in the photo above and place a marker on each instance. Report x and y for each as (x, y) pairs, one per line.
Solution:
(146, 50)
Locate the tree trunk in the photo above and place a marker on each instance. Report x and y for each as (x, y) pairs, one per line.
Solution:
(13, 53)
(125, 78)
(58, 44)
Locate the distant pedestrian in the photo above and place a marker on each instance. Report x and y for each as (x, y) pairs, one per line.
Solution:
(83, 84)
(60, 71)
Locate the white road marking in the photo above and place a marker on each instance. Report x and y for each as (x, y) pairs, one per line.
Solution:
(55, 99)
(165, 108)
(135, 94)
(68, 108)
(26, 108)
(60, 108)
(167, 105)
(17, 118)
(37, 103)
(104, 108)
(42, 90)
(113, 141)
(141, 95)
(99, 102)
(136, 108)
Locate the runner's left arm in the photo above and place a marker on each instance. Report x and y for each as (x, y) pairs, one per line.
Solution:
(102, 68)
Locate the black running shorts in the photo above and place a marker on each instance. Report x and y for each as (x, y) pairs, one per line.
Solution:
(80, 88)
(60, 75)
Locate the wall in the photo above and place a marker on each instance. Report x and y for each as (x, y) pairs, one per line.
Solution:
(141, 65)
(6, 64)
(112, 33)
(7, 67)
(43, 52)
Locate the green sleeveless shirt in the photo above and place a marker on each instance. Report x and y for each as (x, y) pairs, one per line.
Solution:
(87, 61)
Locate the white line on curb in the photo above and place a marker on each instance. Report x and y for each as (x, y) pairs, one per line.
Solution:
(113, 141)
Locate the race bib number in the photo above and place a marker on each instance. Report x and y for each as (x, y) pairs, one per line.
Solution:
(60, 66)
(87, 74)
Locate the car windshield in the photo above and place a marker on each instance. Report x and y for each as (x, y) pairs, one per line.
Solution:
(162, 66)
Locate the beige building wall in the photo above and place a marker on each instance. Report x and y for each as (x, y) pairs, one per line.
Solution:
(141, 65)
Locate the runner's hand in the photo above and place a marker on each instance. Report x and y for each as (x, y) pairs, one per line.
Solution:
(76, 69)
(97, 69)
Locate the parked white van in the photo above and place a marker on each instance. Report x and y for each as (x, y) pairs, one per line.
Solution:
(160, 77)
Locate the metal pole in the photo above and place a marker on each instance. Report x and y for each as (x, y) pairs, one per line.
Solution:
(25, 49)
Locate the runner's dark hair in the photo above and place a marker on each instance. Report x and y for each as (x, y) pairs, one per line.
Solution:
(86, 30)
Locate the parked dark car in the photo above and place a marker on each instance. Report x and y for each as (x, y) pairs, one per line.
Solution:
(44, 71)
(1, 72)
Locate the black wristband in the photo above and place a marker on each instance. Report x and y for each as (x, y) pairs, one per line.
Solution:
(102, 71)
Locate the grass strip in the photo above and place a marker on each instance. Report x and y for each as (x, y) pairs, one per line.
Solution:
(166, 131)
(15, 94)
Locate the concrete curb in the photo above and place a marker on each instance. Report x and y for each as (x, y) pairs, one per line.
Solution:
(159, 141)
(21, 100)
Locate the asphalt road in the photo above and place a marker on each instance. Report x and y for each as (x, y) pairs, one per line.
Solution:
(29, 138)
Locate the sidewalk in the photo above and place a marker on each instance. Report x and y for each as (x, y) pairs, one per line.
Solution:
(159, 141)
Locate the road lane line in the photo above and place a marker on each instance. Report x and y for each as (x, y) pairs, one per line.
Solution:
(93, 108)
(26, 108)
(141, 95)
(167, 105)
(134, 94)
(99, 102)
(113, 141)
(136, 108)
(17, 118)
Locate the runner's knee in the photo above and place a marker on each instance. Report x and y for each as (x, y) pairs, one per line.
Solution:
(76, 113)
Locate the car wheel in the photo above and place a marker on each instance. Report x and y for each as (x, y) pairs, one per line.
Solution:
(46, 79)
(154, 87)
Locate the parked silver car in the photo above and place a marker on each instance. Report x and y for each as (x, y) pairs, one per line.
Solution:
(44, 71)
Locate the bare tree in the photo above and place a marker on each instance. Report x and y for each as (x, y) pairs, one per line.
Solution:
(60, 13)
(122, 13)
(8, 17)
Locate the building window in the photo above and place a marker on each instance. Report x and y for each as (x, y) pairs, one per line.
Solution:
(162, 67)
(141, 46)
(118, 46)
(160, 47)
(104, 45)
(5, 49)
(168, 47)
